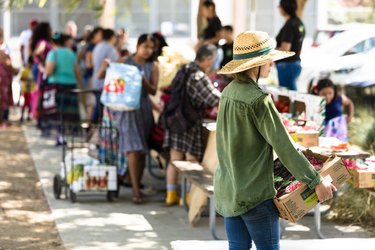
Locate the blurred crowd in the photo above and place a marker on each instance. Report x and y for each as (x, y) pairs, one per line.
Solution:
(55, 63)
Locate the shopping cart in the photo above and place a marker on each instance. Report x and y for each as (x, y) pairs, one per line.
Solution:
(81, 170)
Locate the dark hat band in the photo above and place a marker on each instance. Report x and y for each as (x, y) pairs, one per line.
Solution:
(253, 54)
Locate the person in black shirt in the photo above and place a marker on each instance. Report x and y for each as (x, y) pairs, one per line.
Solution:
(227, 47)
(290, 38)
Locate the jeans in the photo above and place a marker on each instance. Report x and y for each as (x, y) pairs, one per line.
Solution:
(288, 73)
(259, 224)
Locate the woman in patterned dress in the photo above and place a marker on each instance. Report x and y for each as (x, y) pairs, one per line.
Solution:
(135, 126)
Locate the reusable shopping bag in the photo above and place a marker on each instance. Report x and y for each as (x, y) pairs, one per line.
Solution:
(122, 87)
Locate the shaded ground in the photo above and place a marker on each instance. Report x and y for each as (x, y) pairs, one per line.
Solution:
(25, 217)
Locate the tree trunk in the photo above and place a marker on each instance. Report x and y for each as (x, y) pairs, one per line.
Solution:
(300, 7)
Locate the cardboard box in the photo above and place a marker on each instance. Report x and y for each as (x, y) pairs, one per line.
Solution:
(363, 178)
(306, 139)
(295, 205)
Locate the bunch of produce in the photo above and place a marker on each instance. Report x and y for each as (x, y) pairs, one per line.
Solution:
(75, 173)
(361, 164)
(299, 124)
(169, 63)
(282, 106)
(284, 181)
(340, 147)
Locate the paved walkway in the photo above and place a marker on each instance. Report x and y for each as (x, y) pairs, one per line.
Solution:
(94, 223)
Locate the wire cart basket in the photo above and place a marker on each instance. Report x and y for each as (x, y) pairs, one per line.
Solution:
(82, 170)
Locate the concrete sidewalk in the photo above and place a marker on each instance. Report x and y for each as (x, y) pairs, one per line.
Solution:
(94, 223)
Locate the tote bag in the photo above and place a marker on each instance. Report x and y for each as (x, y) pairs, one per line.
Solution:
(122, 87)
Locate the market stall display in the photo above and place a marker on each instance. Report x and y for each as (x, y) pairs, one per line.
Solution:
(363, 171)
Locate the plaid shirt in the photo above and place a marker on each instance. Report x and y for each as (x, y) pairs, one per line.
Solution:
(202, 93)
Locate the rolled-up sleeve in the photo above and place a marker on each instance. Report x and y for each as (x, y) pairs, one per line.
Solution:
(270, 126)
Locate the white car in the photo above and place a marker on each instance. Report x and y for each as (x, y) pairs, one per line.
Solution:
(346, 55)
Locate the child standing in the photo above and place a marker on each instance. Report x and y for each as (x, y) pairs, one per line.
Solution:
(336, 124)
(28, 85)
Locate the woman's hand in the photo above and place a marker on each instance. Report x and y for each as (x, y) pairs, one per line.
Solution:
(324, 191)
(158, 107)
(105, 63)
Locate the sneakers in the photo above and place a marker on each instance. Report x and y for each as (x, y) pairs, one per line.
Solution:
(172, 198)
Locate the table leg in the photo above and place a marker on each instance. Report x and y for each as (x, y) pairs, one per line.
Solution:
(317, 221)
(183, 192)
(283, 224)
(212, 218)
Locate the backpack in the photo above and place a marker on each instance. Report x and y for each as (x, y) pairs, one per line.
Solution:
(179, 114)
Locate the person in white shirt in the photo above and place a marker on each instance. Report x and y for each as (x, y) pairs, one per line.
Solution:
(25, 37)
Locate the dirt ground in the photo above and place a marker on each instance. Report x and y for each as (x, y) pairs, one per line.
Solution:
(25, 217)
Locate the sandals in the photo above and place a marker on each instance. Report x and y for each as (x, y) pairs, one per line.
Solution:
(137, 200)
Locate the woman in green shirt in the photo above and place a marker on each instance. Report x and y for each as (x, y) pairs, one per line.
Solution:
(249, 129)
(63, 75)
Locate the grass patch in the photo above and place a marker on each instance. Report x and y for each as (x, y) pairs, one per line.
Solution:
(355, 207)
(362, 128)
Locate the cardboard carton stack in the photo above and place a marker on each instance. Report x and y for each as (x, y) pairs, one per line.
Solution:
(363, 172)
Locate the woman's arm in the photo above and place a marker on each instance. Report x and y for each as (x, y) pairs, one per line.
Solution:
(50, 67)
(103, 68)
(269, 124)
(348, 103)
(40, 48)
(285, 46)
(78, 75)
(82, 53)
(151, 85)
(88, 60)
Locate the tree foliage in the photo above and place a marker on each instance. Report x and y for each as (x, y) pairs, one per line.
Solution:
(96, 5)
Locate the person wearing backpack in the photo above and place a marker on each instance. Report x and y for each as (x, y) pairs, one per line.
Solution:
(191, 93)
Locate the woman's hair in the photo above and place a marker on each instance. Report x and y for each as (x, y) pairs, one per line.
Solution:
(162, 43)
(208, 4)
(42, 31)
(228, 28)
(93, 33)
(144, 38)
(59, 38)
(289, 6)
(108, 34)
(242, 76)
(326, 83)
(206, 50)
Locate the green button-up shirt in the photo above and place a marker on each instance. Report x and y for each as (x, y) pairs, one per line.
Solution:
(249, 128)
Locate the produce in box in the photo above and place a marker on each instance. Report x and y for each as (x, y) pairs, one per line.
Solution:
(284, 181)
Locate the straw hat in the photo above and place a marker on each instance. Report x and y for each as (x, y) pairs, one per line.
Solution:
(252, 49)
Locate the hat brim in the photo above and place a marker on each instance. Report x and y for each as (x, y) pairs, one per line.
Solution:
(236, 66)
